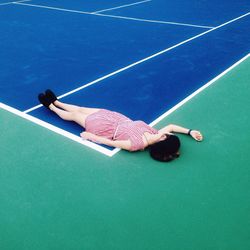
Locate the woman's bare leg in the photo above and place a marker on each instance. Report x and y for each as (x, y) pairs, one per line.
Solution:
(71, 108)
(65, 106)
(76, 115)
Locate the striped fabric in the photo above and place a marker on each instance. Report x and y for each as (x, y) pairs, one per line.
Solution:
(115, 126)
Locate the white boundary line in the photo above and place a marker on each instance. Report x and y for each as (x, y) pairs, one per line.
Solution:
(111, 16)
(99, 148)
(177, 106)
(14, 2)
(139, 62)
(59, 131)
(52, 8)
(122, 6)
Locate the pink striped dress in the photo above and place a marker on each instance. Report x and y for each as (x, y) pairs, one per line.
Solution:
(115, 126)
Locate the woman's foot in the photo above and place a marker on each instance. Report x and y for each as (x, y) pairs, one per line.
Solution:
(196, 135)
(50, 95)
(44, 100)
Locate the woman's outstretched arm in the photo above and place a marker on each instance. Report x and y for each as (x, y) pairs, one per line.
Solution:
(101, 140)
(178, 129)
(174, 128)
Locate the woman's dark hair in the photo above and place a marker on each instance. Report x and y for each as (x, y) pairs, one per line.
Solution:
(165, 150)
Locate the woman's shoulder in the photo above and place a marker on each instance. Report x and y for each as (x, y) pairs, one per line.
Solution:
(146, 127)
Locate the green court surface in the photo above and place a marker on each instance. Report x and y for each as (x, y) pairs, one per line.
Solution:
(57, 194)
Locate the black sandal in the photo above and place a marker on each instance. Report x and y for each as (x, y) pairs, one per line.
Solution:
(43, 99)
(50, 95)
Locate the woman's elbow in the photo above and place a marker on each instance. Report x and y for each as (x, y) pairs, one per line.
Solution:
(170, 127)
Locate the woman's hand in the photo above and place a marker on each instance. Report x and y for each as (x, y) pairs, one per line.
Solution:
(87, 136)
(196, 135)
(102, 140)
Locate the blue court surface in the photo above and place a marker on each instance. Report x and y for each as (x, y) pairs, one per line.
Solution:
(140, 58)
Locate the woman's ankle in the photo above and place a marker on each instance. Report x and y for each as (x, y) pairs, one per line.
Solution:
(51, 106)
(56, 102)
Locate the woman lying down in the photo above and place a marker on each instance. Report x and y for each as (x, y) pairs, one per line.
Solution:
(116, 130)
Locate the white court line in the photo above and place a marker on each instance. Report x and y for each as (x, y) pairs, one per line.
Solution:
(59, 131)
(112, 16)
(14, 2)
(122, 6)
(99, 148)
(139, 62)
(52, 8)
(177, 106)
(155, 21)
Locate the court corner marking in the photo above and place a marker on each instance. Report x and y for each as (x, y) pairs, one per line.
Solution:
(60, 131)
(14, 2)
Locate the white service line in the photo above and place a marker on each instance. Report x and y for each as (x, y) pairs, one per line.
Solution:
(140, 61)
(122, 6)
(14, 2)
(155, 21)
(113, 16)
(59, 131)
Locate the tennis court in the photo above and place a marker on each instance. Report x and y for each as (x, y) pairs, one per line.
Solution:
(185, 63)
